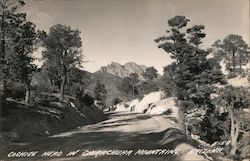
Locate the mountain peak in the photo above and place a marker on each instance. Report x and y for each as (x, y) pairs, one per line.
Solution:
(115, 63)
(130, 63)
(124, 70)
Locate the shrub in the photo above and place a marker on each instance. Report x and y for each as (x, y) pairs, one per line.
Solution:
(15, 90)
(116, 100)
(232, 75)
(87, 99)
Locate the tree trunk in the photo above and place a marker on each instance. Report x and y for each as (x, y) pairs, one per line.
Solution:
(233, 57)
(27, 95)
(2, 95)
(181, 116)
(133, 90)
(240, 62)
(234, 133)
(53, 85)
(2, 65)
(2, 88)
(62, 87)
(229, 66)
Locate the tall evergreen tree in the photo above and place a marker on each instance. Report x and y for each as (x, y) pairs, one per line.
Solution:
(100, 92)
(129, 84)
(150, 73)
(50, 69)
(167, 79)
(233, 50)
(195, 74)
(10, 21)
(63, 51)
(20, 60)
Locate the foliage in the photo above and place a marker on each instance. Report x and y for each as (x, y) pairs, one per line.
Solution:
(214, 127)
(116, 100)
(232, 97)
(18, 41)
(77, 78)
(63, 47)
(10, 22)
(20, 60)
(243, 143)
(49, 69)
(193, 69)
(63, 51)
(233, 100)
(150, 73)
(147, 87)
(233, 50)
(192, 75)
(77, 75)
(87, 99)
(134, 78)
(169, 74)
(15, 90)
(129, 84)
(40, 81)
(100, 92)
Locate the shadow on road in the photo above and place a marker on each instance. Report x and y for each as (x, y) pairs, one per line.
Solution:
(93, 137)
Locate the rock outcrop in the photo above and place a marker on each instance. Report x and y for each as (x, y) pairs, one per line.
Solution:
(124, 70)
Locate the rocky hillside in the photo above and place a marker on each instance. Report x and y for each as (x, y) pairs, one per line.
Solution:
(124, 70)
(21, 123)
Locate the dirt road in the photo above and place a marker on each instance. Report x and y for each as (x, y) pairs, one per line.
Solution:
(123, 137)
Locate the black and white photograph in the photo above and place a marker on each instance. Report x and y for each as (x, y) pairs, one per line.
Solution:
(124, 80)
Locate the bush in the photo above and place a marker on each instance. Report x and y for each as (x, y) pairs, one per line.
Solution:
(148, 87)
(87, 99)
(126, 105)
(15, 90)
(41, 83)
(76, 89)
(214, 127)
(116, 100)
(231, 75)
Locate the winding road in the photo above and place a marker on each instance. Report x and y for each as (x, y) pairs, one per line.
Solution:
(124, 136)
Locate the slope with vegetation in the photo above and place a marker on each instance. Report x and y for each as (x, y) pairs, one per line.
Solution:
(39, 102)
(194, 77)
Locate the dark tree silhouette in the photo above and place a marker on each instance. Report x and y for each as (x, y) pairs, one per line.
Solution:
(100, 92)
(10, 21)
(63, 51)
(150, 73)
(233, 50)
(194, 73)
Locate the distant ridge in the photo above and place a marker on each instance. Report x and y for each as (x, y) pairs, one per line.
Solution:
(124, 70)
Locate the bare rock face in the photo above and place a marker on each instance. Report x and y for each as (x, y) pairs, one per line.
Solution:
(124, 70)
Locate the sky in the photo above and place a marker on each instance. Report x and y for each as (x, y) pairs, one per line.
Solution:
(124, 30)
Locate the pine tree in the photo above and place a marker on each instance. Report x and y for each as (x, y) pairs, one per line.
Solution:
(195, 73)
(100, 92)
(63, 51)
(129, 84)
(10, 21)
(233, 50)
(150, 73)
(20, 60)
